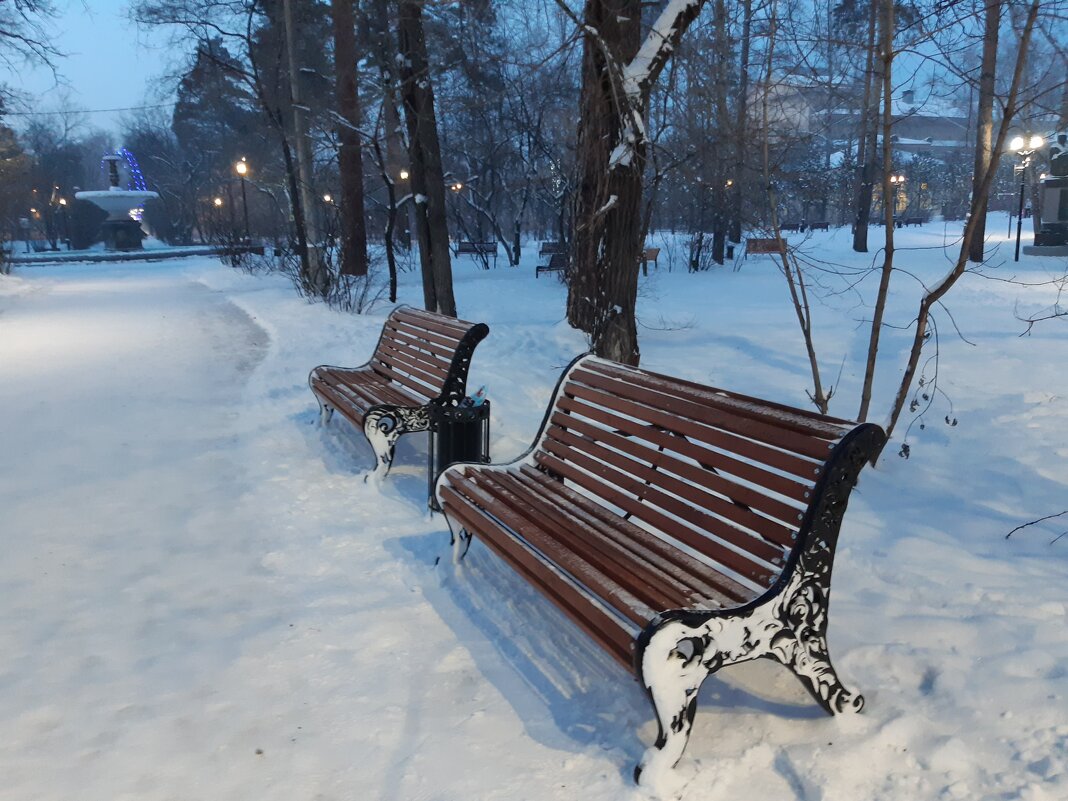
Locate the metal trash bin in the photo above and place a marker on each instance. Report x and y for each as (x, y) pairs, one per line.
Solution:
(457, 434)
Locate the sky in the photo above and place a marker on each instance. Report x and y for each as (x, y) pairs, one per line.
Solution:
(109, 63)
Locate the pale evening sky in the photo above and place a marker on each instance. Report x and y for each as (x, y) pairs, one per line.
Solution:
(109, 63)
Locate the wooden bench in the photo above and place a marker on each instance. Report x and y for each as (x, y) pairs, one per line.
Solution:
(650, 255)
(557, 264)
(913, 221)
(482, 250)
(756, 244)
(550, 247)
(822, 225)
(796, 227)
(421, 360)
(682, 527)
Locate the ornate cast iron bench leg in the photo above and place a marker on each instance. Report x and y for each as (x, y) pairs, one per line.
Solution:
(384, 425)
(679, 650)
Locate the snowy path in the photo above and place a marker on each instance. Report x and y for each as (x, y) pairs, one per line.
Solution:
(128, 576)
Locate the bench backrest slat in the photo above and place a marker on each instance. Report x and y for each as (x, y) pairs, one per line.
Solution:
(417, 350)
(726, 475)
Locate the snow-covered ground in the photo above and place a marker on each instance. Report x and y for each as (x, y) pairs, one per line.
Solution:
(201, 598)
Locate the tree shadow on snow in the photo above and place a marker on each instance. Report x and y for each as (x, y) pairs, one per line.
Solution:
(569, 693)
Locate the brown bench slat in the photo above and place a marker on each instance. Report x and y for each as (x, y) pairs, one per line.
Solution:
(734, 499)
(344, 404)
(682, 500)
(709, 415)
(609, 591)
(421, 344)
(603, 481)
(397, 360)
(722, 466)
(772, 413)
(447, 341)
(417, 387)
(428, 319)
(715, 590)
(370, 388)
(760, 453)
(401, 354)
(446, 329)
(588, 616)
(602, 554)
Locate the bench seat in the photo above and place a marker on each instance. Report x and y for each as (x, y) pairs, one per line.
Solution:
(421, 359)
(682, 527)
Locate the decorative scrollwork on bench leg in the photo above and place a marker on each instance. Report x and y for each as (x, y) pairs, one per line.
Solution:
(678, 650)
(384, 425)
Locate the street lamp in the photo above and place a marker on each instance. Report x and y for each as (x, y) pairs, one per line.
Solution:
(241, 168)
(1024, 147)
(898, 182)
(217, 202)
(404, 175)
(457, 187)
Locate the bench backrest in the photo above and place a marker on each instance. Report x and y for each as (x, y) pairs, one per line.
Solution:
(651, 254)
(428, 354)
(729, 477)
(557, 261)
(476, 247)
(764, 244)
(550, 247)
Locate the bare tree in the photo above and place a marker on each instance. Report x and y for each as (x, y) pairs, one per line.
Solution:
(350, 151)
(424, 148)
(619, 71)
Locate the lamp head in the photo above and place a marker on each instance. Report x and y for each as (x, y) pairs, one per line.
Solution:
(1036, 142)
(241, 168)
(1016, 144)
(404, 174)
(217, 202)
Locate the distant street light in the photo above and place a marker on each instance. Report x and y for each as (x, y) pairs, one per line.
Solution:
(457, 187)
(404, 175)
(241, 168)
(328, 198)
(898, 182)
(1024, 147)
(218, 202)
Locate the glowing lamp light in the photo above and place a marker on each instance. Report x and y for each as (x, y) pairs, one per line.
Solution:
(63, 201)
(456, 187)
(404, 175)
(1016, 143)
(1036, 142)
(217, 202)
(328, 198)
(241, 168)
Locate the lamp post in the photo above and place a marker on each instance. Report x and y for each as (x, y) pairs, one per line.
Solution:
(898, 182)
(64, 221)
(241, 168)
(1024, 147)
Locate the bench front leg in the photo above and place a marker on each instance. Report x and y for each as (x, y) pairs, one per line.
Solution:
(384, 425)
(671, 667)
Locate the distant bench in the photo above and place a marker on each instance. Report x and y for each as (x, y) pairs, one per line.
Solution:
(557, 264)
(482, 250)
(819, 226)
(650, 255)
(755, 244)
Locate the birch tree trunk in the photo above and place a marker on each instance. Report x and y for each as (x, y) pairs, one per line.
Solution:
(984, 128)
(350, 153)
(424, 149)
